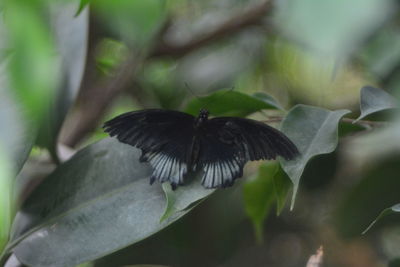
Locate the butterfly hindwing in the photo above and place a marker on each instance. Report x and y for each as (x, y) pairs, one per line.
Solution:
(227, 143)
(165, 138)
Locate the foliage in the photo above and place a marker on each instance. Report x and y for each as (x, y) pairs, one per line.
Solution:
(78, 201)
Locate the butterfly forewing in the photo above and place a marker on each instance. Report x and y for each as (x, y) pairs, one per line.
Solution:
(227, 143)
(165, 138)
(259, 140)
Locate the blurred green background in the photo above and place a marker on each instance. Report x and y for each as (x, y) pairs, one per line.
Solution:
(68, 66)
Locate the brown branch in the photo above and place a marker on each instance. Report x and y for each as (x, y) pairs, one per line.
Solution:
(252, 15)
(94, 101)
(91, 107)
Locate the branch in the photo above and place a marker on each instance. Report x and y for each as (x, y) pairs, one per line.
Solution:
(364, 122)
(346, 120)
(92, 106)
(94, 101)
(252, 15)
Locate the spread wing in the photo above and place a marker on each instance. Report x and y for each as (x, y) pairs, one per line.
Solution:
(164, 136)
(227, 143)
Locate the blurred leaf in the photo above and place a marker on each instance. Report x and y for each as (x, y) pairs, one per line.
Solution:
(314, 131)
(110, 54)
(82, 5)
(18, 137)
(374, 100)
(181, 198)
(33, 66)
(348, 128)
(230, 103)
(377, 188)
(159, 76)
(70, 34)
(391, 210)
(268, 99)
(380, 54)
(135, 22)
(259, 196)
(6, 203)
(282, 186)
(313, 78)
(332, 27)
(92, 205)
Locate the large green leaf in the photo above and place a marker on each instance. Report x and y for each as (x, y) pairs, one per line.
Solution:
(33, 67)
(232, 103)
(314, 131)
(16, 140)
(178, 200)
(373, 100)
(94, 204)
(392, 210)
(45, 63)
(70, 35)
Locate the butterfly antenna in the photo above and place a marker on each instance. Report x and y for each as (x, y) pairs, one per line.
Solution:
(191, 91)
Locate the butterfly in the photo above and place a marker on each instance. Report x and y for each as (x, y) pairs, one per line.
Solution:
(177, 143)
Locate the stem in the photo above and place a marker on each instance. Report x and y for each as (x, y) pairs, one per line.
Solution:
(272, 119)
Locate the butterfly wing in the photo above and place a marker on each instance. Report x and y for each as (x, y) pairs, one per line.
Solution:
(164, 136)
(227, 143)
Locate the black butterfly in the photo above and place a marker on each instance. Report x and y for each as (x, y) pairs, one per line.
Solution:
(175, 143)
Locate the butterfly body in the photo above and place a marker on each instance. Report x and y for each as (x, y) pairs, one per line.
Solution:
(176, 143)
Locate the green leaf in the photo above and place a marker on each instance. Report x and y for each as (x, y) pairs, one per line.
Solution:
(259, 196)
(82, 5)
(282, 186)
(374, 100)
(231, 103)
(92, 205)
(314, 131)
(268, 100)
(71, 49)
(136, 22)
(182, 198)
(110, 55)
(6, 203)
(385, 212)
(33, 67)
(18, 137)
